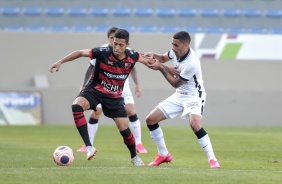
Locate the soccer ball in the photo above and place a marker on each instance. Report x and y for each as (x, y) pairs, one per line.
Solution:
(63, 156)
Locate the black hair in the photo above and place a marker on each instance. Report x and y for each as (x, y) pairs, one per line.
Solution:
(111, 31)
(122, 34)
(183, 36)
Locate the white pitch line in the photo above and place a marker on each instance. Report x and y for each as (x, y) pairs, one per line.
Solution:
(126, 167)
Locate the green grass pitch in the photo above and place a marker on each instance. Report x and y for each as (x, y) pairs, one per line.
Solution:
(246, 154)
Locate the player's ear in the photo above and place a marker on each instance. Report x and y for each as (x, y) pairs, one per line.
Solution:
(127, 45)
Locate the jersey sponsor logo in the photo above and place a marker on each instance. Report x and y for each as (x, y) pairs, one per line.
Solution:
(115, 76)
(110, 87)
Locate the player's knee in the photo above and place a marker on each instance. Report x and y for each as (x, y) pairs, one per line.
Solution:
(195, 122)
(150, 120)
(195, 126)
(76, 108)
(130, 111)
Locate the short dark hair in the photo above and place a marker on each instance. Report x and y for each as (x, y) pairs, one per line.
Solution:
(122, 34)
(183, 36)
(111, 31)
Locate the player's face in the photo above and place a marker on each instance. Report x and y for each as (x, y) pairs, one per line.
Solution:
(179, 48)
(111, 39)
(119, 46)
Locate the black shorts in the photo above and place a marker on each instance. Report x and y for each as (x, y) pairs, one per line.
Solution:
(112, 107)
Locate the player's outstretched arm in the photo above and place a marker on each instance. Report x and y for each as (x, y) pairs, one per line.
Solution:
(146, 60)
(70, 57)
(162, 58)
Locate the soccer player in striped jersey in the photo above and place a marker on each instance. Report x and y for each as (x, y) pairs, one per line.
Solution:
(134, 121)
(113, 66)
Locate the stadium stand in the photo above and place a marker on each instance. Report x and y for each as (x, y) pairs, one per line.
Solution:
(235, 30)
(214, 30)
(57, 29)
(10, 11)
(165, 12)
(257, 31)
(54, 11)
(77, 12)
(81, 29)
(187, 12)
(121, 12)
(147, 29)
(193, 29)
(143, 12)
(169, 29)
(273, 18)
(276, 31)
(13, 28)
(32, 11)
(226, 14)
(35, 28)
(101, 29)
(127, 27)
(99, 12)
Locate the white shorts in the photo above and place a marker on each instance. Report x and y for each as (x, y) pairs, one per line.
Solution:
(127, 96)
(185, 104)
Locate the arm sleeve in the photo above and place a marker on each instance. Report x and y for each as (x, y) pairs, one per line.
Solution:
(171, 54)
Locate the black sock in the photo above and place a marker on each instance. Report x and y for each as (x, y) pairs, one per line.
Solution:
(129, 141)
(201, 133)
(81, 123)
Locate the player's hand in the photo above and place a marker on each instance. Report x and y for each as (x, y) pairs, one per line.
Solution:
(154, 64)
(137, 91)
(55, 66)
(174, 71)
(149, 55)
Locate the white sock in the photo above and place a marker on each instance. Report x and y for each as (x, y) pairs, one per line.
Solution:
(136, 131)
(158, 138)
(92, 129)
(205, 143)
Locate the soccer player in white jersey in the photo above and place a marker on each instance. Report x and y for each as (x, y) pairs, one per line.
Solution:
(134, 122)
(188, 99)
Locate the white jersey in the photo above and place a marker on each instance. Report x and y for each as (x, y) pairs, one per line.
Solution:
(190, 97)
(190, 70)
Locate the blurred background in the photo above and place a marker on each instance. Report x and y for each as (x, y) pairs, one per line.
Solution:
(238, 42)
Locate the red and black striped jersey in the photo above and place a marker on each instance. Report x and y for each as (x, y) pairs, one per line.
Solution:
(109, 74)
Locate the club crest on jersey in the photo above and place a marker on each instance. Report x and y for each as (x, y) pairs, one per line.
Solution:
(110, 63)
(127, 65)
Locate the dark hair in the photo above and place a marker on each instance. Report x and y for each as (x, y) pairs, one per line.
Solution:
(111, 31)
(122, 34)
(183, 36)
